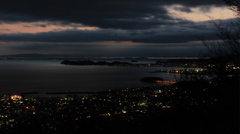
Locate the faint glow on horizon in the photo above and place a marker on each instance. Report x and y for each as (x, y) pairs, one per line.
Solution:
(37, 27)
(1, 43)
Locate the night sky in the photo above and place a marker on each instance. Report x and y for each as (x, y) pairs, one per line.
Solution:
(109, 27)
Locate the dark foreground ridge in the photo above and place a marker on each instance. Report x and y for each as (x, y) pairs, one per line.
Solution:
(190, 107)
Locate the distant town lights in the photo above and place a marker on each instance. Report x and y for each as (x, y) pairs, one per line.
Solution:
(16, 97)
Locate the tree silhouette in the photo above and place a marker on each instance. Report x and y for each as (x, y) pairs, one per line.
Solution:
(234, 5)
(224, 55)
(226, 50)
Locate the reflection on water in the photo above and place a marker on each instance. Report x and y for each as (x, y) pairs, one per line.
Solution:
(46, 75)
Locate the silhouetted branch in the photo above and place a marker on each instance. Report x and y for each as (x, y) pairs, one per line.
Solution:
(234, 5)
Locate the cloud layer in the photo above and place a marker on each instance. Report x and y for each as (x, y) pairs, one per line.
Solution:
(147, 23)
(117, 14)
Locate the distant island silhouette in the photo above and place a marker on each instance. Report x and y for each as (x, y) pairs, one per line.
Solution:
(193, 63)
(115, 63)
(151, 79)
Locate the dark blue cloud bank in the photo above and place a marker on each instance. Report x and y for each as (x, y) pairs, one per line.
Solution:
(95, 49)
(159, 35)
(145, 23)
(117, 14)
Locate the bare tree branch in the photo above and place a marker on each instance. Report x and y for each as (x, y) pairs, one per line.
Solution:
(234, 5)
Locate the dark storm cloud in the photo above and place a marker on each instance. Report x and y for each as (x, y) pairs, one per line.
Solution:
(116, 14)
(183, 33)
(36, 25)
(190, 49)
(13, 18)
(104, 35)
(52, 46)
(193, 3)
(183, 9)
(67, 36)
(40, 25)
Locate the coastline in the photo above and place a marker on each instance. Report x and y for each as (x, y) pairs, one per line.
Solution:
(190, 63)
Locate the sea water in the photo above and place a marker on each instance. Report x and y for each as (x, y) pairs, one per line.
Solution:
(21, 76)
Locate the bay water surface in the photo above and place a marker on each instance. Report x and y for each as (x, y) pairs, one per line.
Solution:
(20, 76)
